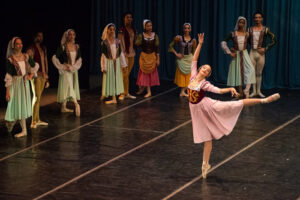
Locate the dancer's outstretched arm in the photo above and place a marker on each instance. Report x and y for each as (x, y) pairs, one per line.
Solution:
(200, 42)
(231, 90)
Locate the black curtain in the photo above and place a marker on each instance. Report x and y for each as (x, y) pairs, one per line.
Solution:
(214, 17)
(25, 18)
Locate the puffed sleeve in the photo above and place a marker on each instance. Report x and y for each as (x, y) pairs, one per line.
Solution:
(9, 73)
(78, 63)
(56, 62)
(8, 80)
(34, 65)
(207, 86)
(224, 43)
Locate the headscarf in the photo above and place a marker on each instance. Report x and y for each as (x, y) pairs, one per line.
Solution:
(145, 22)
(237, 22)
(104, 33)
(65, 36)
(186, 23)
(11, 46)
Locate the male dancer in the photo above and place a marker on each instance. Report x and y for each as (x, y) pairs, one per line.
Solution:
(39, 53)
(259, 46)
(127, 35)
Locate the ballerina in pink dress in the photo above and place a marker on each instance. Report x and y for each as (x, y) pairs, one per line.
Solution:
(211, 118)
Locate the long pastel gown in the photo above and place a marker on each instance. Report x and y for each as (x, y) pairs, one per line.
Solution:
(211, 119)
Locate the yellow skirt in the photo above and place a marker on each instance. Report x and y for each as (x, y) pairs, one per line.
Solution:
(182, 80)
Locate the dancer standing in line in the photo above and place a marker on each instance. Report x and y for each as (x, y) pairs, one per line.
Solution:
(187, 46)
(38, 52)
(241, 71)
(20, 68)
(127, 35)
(258, 37)
(112, 60)
(148, 41)
(67, 60)
(212, 119)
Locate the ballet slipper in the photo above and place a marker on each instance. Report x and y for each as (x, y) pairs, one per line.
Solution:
(269, 99)
(205, 168)
(148, 95)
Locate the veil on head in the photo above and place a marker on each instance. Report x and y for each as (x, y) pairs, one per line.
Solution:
(11, 46)
(187, 23)
(104, 33)
(237, 22)
(145, 21)
(65, 36)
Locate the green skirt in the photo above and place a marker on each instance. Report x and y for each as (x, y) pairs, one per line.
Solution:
(19, 106)
(68, 87)
(112, 83)
(234, 74)
(184, 64)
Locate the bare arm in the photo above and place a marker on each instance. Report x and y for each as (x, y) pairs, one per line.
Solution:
(197, 52)
(227, 90)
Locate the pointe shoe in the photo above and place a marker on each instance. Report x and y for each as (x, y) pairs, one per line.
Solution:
(269, 99)
(33, 125)
(41, 123)
(77, 110)
(261, 94)
(147, 95)
(23, 133)
(121, 97)
(111, 102)
(205, 168)
(130, 96)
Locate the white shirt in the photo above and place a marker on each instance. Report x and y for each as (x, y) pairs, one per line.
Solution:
(22, 67)
(73, 57)
(241, 42)
(256, 35)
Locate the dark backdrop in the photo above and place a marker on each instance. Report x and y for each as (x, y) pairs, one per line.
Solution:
(214, 17)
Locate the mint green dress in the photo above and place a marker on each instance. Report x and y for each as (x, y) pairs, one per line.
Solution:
(19, 106)
(111, 60)
(68, 82)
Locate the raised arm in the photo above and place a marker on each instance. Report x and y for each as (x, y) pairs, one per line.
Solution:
(200, 42)
(196, 55)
